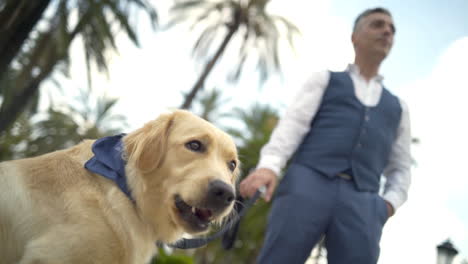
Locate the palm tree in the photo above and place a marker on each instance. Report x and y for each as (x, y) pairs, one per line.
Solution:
(256, 29)
(94, 114)
(62, 126)
(48, 46)
(208, 105)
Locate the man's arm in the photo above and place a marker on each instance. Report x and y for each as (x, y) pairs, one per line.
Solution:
(287, 135)
(398, 170)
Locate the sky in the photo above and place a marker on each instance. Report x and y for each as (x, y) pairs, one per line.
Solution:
(426, 68)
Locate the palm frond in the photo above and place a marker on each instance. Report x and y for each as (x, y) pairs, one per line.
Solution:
(190, 4)
(122, 18)
(149, 9)
(290, 28)
(202, 45)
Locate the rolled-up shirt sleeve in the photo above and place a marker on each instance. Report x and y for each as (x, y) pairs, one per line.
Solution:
(398, 170)
(294, 124)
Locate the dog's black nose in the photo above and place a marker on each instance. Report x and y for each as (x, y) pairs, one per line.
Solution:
(220, 193)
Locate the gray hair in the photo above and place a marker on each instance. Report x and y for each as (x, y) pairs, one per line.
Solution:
(368, 12)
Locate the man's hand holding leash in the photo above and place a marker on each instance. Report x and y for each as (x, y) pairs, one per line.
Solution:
(256, 179)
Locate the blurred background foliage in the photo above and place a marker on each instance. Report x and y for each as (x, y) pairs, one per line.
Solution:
(36, 38)
(165, 258)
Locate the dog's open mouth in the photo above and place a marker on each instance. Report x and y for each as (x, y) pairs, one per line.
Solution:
(197, 218)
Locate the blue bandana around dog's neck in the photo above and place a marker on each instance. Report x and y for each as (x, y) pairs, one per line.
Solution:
(108, 162)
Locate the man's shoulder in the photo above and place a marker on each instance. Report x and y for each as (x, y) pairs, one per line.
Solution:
(314, 77)
(315, 73)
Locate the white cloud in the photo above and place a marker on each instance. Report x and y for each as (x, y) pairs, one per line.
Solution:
(438, 109)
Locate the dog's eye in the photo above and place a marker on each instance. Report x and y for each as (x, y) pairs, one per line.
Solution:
(194, 145)
(232, 165)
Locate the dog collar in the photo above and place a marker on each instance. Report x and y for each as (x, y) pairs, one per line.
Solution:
(108, 162)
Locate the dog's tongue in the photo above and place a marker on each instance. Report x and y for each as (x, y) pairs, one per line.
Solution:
(203, 214)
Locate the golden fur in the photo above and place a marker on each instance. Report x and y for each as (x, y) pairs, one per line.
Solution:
(53, 210)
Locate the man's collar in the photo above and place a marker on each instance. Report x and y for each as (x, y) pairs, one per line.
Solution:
(353, 68)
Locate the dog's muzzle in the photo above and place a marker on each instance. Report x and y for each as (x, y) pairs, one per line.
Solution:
(218, 198)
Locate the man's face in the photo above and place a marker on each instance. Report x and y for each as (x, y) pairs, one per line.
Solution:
(374, 34)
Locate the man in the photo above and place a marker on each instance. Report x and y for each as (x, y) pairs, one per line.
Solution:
(345, 130)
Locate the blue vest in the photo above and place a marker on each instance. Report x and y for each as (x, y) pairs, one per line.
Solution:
(347, 136)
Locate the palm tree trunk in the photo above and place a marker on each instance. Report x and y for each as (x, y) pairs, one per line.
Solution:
(209, 66)
(17, 19)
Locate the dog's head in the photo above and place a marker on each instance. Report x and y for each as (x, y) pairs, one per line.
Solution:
(185, 172)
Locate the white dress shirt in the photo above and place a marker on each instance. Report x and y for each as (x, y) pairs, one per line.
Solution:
(295, 123)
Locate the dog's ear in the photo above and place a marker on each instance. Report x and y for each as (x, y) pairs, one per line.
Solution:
(147, 146)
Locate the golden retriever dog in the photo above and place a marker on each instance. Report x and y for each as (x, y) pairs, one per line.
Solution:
(180, 171)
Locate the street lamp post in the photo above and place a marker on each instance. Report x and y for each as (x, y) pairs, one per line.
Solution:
(446, 252)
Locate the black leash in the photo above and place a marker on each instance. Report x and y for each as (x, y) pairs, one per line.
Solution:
(186, 243)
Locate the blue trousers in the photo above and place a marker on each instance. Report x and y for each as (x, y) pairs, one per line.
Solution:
(308, 205)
